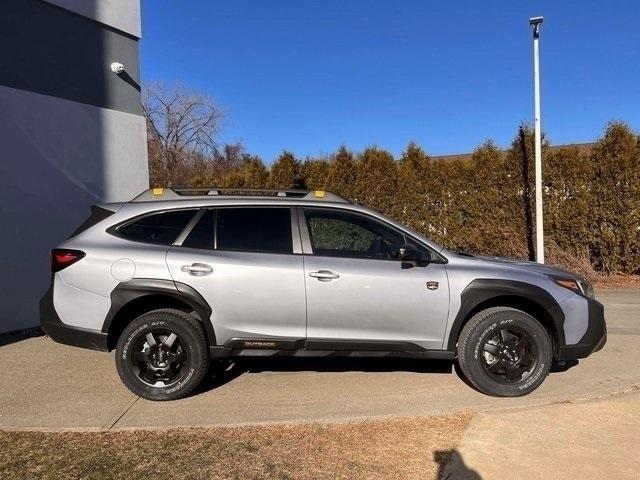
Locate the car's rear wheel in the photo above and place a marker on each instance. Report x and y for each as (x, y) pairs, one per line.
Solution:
(162, 355)
(504, 352)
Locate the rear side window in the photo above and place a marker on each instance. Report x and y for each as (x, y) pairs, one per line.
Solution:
(255, 230)
(202, 235)
(160, 228)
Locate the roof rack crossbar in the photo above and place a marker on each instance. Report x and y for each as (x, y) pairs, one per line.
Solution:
(178, 193)
(190, 191)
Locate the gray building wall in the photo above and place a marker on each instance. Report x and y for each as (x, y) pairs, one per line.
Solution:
(71, 131)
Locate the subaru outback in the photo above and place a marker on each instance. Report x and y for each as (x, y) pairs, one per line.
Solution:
(177, 277)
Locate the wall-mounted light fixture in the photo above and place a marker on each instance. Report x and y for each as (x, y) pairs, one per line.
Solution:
(117, 68)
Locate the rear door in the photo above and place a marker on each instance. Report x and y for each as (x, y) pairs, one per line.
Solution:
(246, 262)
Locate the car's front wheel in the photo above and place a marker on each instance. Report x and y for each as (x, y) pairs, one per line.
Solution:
(504, 352)
(162, 355)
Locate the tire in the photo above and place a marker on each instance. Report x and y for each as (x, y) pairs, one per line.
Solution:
(504, 352)
(162, 355)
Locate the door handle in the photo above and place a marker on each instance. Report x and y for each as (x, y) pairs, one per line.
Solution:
(324, 275)
(197, 269)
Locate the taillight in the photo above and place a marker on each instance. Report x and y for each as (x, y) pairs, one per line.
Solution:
(61, 258)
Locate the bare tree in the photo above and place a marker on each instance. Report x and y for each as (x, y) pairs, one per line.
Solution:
(182, 124)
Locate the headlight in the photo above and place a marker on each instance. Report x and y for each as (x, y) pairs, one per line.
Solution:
(576, 285)
(587, 288)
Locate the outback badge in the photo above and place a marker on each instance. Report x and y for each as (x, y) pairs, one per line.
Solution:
(433, 285)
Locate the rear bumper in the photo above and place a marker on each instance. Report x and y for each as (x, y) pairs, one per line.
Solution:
(593, 340)
(68, 334)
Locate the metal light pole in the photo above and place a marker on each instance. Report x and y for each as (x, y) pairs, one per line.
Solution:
(536, 22)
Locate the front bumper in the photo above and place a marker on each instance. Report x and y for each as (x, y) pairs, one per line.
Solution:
(68, 334)
(594, 338)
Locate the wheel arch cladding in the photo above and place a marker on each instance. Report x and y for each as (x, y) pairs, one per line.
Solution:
(140, 295)
(484, 293)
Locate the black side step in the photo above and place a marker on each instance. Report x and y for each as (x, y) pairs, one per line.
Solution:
(299, 347)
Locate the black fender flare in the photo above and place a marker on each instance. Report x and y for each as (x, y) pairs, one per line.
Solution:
(481, 290)
(126, 292)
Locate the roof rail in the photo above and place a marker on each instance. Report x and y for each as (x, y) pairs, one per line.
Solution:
(198, 193)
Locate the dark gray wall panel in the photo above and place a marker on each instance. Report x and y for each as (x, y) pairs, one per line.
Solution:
(52, 51)
(121, 14)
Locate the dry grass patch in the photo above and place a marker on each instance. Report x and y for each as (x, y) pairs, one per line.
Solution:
(372, 449)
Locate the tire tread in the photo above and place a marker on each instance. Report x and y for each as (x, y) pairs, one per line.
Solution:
(467, 336)
(192, 324)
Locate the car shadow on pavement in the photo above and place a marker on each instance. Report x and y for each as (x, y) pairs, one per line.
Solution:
(344, 364)
(19, 335)
(451, 466)
(222, 372)
(559, 367)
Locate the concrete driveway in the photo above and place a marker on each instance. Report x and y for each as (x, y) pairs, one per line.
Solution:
(49, 386)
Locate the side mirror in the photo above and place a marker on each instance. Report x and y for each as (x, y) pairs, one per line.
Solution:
(412, 256)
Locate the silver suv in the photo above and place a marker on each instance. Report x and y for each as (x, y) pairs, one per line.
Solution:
(177, 277)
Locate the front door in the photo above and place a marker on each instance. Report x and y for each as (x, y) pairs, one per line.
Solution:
(241, 260)
(358, 293)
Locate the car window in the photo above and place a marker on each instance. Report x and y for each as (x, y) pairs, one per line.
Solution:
(201, 236)
(160, 228)
(344, 234)
(424, 251)
(255, 230)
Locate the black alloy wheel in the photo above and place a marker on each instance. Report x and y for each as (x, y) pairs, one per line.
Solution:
(510, 355)
(159, 358)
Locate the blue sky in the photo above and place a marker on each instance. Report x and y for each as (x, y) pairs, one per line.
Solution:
(308, 76)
